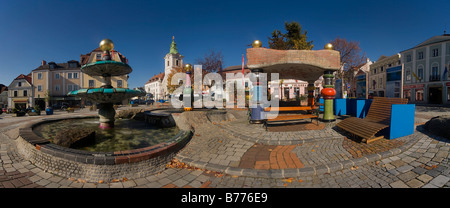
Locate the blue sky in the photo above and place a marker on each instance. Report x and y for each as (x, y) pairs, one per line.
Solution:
(32, 31)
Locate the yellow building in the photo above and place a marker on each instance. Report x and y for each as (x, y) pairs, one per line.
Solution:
(53, 81)
(20, 93)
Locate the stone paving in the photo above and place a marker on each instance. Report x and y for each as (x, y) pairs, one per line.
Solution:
(217, 154)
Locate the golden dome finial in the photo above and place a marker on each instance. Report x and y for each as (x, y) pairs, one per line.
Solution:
(106, 45)
(328, 46)
(188, 67)
(256, 44)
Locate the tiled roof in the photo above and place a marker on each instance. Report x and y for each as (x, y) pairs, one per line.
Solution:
(26, 77)
(158, 77)
(58, 66)
(84, 58)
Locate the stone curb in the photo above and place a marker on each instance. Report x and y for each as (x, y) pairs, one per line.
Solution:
(306, 171)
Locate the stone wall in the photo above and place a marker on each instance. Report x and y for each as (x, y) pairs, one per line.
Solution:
(96, 166)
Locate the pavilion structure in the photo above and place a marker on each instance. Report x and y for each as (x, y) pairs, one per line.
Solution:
(306, 65)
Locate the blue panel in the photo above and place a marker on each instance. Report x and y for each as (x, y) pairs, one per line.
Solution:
(402, 120)
(321, 101)
(340, 107)
(360, 104)
(367, 106)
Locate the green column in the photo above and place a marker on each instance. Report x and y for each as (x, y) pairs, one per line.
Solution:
(328, 93)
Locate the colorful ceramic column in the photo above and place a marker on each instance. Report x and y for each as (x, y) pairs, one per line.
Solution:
(328, 93)
(187, 92)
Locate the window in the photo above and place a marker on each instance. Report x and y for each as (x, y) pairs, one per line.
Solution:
(39, 88)
(40, 75)
(434, 73)
(435, 52)
(119, 83)
(91, 83)
(69, 88)
(98, 56)
(75, 75)
(167, 63)
(420, 72)
(52, 65)
(380, 82)
(57, 76)
(382, 69)
(57, 88)
(25, 93)
(19, 84)
(408, 74)
(374, 71)
(407, 94)
(448, 93)
(15, 93)
(419, 95)
(69, 75)
(75, 87)
(420, 55)
(177, 63)
(73, 65)
(408, 58)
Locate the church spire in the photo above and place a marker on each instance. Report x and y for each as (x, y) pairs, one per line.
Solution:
(173, 46)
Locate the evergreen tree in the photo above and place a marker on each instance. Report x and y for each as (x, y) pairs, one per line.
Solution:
(294, 39)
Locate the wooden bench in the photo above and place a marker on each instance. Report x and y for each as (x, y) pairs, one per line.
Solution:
(286, 118)
(377, 119)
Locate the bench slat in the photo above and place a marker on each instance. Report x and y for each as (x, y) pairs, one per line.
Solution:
(296, 108)
(292, 117)
(376, 120)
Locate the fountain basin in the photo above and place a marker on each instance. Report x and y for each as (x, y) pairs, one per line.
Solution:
(106, 95)
(111, 68)
(97, 165)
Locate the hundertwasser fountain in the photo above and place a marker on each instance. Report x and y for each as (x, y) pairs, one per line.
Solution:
(106, 95)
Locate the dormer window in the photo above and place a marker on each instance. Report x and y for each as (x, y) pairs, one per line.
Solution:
(52, 65)
(73, 64)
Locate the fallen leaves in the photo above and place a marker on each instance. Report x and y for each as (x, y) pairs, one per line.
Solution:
(175, 163)
(355, 167)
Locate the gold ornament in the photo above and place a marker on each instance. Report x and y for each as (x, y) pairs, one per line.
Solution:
(328, 46)
(188, 67)
(106, 45)
(256, 44)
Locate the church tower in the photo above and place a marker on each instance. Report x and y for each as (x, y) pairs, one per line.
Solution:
(172, 60)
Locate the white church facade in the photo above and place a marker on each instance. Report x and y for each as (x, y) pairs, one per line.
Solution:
(157, 85)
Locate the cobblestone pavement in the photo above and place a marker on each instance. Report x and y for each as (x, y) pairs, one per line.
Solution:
(216, 157)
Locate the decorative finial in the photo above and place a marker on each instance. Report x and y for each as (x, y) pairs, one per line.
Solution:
(106, 45)
(173, 37)
(328, 46)
(256, 44)
(188, 67)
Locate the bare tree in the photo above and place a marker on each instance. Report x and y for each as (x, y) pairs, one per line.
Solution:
(211, 61)
(351, 59)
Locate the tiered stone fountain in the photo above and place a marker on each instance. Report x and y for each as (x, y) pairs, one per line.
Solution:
(106, 95)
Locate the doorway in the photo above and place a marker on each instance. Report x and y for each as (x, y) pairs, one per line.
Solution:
(435, 95)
